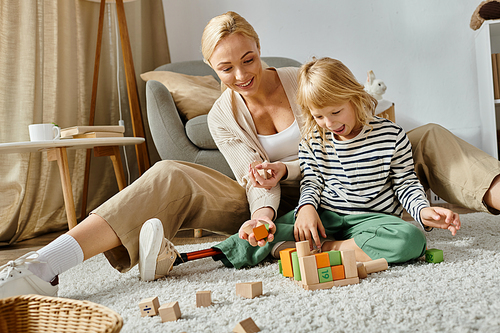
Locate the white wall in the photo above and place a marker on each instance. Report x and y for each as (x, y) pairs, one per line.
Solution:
(423, 50)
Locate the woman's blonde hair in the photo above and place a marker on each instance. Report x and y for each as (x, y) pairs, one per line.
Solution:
(221, 26)
(325, 82)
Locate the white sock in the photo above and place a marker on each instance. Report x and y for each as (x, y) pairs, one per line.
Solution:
(61, 254)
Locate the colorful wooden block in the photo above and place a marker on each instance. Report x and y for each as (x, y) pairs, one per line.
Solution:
(338, 272)
(203, 298)
(260, 232)
(296, 266)
(249, 289)
(362, 273)
(303, 248)
(286, 261)
(322, 260)
(434, 255)
(345, 282)
(149, 306)
(308, 270)
(279, 267)
(170, 311)
(246, 326)
(335, 258)
(376, 265)
(325, 274)
(349, 262)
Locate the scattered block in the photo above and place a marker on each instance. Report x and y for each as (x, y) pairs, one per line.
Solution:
(203, 298)
(170, 312)
(349, 262)
(303, 249)
(335, 258)
(322, 260)
(260, 231)
(362, 273)
(286, 261)
(308, 270)
(338, 272)
(296, 266)
(149, 306)
(249, 289)
(246, 326)
(434, 255)
(376, 265)
(325, 274)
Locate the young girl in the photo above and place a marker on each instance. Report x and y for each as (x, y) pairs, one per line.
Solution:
(358, 175)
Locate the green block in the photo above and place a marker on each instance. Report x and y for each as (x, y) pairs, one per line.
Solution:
(296, 267)
(325, 274)
(335, 258)
(280, 267)
(434, 255)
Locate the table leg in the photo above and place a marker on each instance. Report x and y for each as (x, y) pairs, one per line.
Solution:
(114, 153)
(59, 155)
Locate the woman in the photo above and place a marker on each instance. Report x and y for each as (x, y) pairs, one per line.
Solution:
(184, 195)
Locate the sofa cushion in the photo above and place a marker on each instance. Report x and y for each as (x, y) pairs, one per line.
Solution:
(197, 131)
(193, 95)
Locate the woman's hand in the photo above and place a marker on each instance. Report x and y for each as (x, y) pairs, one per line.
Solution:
(307, 226)
(275, 172)
(442, 218)
(263, 214)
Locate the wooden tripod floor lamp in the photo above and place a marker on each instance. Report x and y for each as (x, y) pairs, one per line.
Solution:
(133, 95)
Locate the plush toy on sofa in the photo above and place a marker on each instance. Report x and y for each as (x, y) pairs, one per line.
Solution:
(487, 10)
(374, 86)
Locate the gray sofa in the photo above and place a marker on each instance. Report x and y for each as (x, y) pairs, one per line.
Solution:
(190, 141)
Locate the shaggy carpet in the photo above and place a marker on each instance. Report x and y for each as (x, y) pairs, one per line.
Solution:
(460, 294)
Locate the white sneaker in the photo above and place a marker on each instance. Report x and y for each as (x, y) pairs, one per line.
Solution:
(156, 253)
(16, 279)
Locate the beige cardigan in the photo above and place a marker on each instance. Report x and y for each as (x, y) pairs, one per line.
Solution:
(236, 137)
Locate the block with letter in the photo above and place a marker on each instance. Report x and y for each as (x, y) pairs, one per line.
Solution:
(249, 289)
(170, 311)
(149, 306)
(203, 298)
(434, 255)
(246, 326)
(286, 261)
(349, 262)
(325, 274)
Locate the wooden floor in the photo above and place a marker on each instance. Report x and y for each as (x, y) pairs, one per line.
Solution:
(183, 237)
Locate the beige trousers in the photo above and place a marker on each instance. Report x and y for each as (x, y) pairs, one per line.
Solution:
(455, 170)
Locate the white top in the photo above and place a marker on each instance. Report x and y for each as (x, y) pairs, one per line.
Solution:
(282, 146)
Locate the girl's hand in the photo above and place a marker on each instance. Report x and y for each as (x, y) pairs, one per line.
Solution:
(246, 232)
(307, 226)
(275, 172)
(442, 218)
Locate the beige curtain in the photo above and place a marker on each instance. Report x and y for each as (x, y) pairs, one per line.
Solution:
(47, 52)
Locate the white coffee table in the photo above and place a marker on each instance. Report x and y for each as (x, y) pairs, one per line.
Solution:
(56, 151)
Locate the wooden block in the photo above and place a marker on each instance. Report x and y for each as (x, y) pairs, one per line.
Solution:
(248, 229)
(203, 298)
(249, 289)
(262, 173)
(335, 258)
(376, 265)
(362, 273)
(149, 306)
(170, 312)
(434, 255)
(322, 260)
(260, 232)
(286, 261)
(345, 282)
(303, 249)
(279, 267)
(338, 272)
(246, 326)
(296, 266)
(349, 262)
(318, 286)
(308, 270)
(325, 274)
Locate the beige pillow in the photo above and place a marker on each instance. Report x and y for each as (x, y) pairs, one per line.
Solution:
(193, 95)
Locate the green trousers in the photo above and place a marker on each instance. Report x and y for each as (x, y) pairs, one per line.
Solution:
(378, 235)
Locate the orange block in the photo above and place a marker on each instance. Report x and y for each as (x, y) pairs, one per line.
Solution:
(260, 232)
(286, 261)
(322, 260)
(338, 272)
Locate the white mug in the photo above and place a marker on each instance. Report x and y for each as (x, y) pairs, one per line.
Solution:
(44, 132)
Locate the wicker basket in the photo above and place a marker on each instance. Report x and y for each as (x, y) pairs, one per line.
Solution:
(35, 313)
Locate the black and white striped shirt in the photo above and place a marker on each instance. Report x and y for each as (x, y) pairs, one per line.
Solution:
(371, 173)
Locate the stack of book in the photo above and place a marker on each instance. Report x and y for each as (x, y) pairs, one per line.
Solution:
(495, 62)
(85, 132)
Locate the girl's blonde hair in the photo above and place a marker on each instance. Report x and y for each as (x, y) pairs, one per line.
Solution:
(221, 26)
(326, 82)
